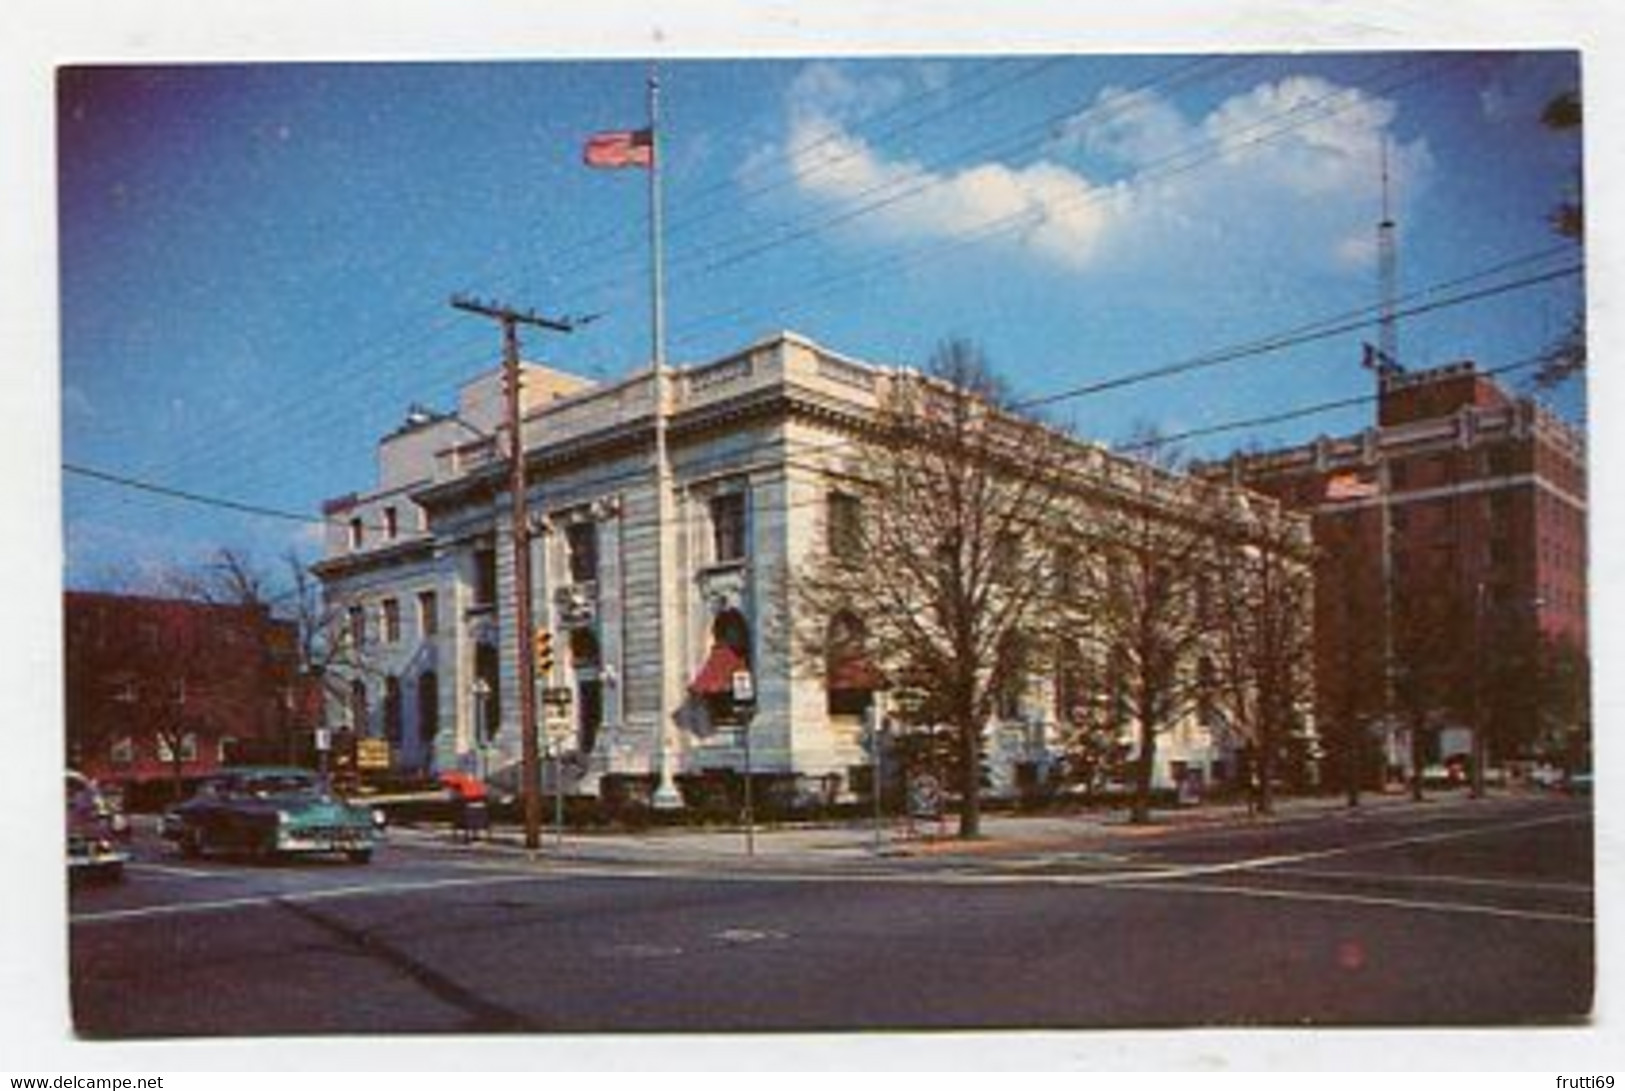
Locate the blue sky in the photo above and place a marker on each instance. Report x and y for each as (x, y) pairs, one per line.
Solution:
(256, 259)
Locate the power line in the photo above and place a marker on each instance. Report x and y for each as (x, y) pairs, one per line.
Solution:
(1302, 334)
(1274, 345)
(267, 419)
(191, 497)
(898, 189)
(1187, 159)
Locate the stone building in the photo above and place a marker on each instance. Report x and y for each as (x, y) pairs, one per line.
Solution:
(649, 612)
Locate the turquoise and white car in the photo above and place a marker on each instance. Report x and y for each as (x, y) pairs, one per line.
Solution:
(268, 811)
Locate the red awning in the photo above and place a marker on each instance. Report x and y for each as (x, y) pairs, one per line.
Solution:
(852, 670)
(716, 677)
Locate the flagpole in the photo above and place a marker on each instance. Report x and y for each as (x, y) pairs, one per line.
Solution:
(666, 796)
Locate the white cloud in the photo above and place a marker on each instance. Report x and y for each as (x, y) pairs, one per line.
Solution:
(1286, 172)
(1049, 209)
(1131, 127)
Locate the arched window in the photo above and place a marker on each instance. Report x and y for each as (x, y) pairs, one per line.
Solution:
(585, 657)
(584, 651)
(850, 678)
(428, 706)
(392, 710)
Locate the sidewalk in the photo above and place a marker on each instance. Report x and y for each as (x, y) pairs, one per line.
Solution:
(1006, 837)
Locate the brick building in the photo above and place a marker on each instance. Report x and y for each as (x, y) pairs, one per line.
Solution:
(160, 687)
(1480, 591)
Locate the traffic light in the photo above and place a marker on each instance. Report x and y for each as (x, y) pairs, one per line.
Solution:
(544, 652)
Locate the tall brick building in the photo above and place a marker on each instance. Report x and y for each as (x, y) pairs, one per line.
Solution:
(1479, 597)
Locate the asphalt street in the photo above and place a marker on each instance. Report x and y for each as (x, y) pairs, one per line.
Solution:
(1452, 914)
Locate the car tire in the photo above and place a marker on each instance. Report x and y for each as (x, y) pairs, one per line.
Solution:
(359, 856)
(190, 843)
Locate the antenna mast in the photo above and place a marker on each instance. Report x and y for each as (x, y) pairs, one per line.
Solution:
(1387, 277)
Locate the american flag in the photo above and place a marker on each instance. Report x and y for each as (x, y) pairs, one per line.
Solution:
(631, 148)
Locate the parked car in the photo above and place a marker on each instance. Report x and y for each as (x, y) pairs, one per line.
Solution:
(269, 811)
(93, 840)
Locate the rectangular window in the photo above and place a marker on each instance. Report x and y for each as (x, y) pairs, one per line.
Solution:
(428, 613)
(392, 524)
(1066, 573)
(356, 533)
(581, 542)
(357, 625)
(225, 751)
(845, 526)
(485, 577)
(728, 527)
(392, 621)
(188, 748)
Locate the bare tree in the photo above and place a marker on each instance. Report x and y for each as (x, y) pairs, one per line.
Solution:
(1431, 673)
(1567, 356)
(941, 553)
(1260, 607)
(1136, 601)
(1350, 673)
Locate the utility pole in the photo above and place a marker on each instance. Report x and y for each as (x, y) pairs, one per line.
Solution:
(510, 319)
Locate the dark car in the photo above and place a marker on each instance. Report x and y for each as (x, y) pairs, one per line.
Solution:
(269, 811)
(93, 836)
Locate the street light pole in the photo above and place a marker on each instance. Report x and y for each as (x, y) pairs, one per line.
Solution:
(877, 770)
(481, 691)
(744, 702)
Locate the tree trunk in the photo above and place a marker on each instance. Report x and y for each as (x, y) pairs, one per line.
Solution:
(1416, 762)
(1266, 770)
(1141, 813)
(175, 767)
(1354, 762)
(970, 788)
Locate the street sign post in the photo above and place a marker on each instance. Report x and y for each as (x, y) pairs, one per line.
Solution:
(744, 701)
